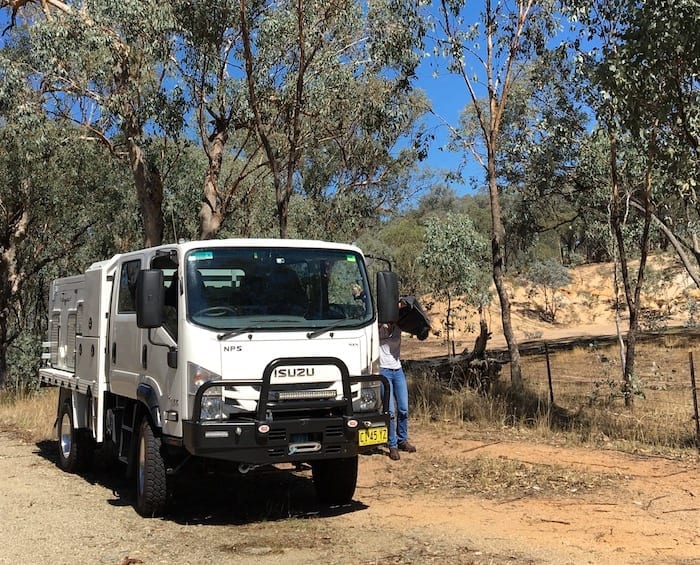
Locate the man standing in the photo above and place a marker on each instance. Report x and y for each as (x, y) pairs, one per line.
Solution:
(390, 367)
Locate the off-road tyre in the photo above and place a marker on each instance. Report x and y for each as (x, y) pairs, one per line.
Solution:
(335, 480)
(151, 476)
(75, 446)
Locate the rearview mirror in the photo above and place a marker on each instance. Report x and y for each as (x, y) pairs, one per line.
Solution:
(150, 299)
(387, 297)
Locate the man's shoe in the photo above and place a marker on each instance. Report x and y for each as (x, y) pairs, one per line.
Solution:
(394, 454)
(405, 446)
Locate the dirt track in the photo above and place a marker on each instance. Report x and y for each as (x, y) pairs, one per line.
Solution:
(618, 508)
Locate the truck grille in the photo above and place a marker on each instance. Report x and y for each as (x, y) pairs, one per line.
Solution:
(277, 435)
(333, 432)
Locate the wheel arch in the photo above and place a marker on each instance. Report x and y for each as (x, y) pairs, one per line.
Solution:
(148, 398)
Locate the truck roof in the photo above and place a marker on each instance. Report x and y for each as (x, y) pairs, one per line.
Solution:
(236, 242)
(264, 242)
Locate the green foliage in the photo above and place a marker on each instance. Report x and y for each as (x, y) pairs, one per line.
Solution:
(318, 96)
(61, 208)
(641, 75)
(107, 57)
(329, 97)
(455, 257)
(548, 277)
(440, 199)
(105, 66)
(401, 238)
(76, 212)
(23, 360)
(405, 238)
(544, 130)
(185, 165)
(606, 392)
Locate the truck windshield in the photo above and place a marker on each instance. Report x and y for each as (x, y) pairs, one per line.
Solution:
(252, 289)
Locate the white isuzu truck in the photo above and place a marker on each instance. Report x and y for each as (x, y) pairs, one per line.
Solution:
(255, 352)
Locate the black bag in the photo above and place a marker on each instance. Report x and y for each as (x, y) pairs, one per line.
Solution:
(412, 319)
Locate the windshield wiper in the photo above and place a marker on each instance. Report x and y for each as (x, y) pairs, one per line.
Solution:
(238, 331)
(321, 331)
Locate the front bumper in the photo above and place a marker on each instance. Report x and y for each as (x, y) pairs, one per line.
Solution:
(280, 432)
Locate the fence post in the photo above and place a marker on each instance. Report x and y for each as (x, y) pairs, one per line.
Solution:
(549, 375)
(694, 390)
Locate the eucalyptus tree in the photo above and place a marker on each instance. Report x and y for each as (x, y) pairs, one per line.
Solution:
(489, 56)
(60, 209)
(544, 129)
(455, 258)
(405, 236)
(644, 89)
(103, 65)
(210, 64)
(548, 276)
(655, 75)
(328, 93)
(357, 174)
(440, 198)
(182, 198)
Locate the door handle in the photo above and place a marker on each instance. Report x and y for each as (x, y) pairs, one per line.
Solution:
(114, 352)
(144, 357)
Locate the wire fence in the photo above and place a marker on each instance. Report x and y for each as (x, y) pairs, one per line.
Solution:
(663, 387)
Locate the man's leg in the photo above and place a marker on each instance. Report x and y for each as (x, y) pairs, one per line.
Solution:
(401, 394)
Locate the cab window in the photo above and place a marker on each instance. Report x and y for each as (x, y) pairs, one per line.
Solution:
(127, 286)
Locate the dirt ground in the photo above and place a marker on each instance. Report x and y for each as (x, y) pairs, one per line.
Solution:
(558, 505)
(464, 497)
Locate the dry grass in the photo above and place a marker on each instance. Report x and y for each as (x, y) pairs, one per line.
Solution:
(588, 404)
(31, 416)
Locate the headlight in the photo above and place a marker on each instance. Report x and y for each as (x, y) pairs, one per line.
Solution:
(216, 406)
(213, 405)
(370, 399)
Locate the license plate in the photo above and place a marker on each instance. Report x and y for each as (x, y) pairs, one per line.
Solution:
(373, 436)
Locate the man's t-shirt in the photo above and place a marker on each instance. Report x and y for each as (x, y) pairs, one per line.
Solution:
(389, 346)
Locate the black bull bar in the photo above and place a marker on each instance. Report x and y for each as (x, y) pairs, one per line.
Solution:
(285, 431)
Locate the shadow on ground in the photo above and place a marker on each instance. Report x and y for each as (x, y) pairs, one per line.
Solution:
(217, 495)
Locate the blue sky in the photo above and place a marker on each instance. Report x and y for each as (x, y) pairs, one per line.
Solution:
(448, 97)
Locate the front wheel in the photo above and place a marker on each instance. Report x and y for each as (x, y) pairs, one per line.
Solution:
(75, 446)
(335, 480)
(151, 477)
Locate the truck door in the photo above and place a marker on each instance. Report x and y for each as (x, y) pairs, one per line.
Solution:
(157, 373)
(125, 338)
